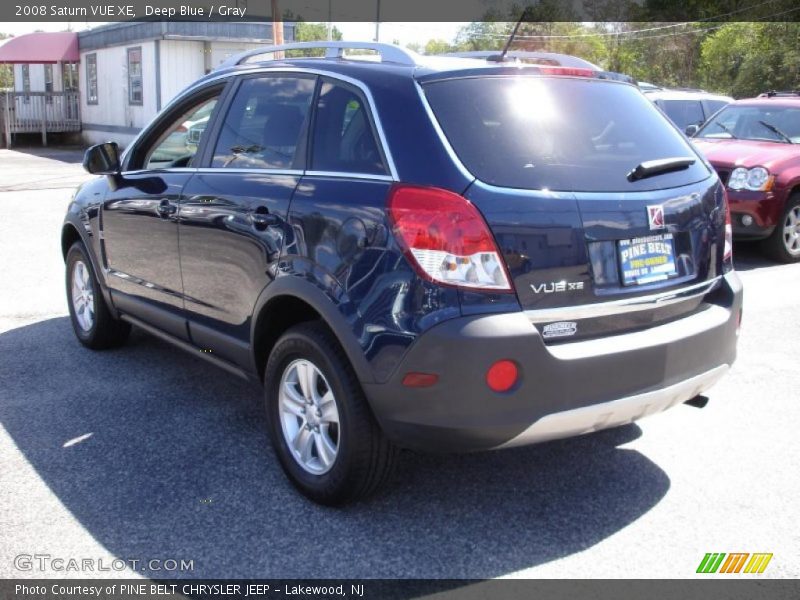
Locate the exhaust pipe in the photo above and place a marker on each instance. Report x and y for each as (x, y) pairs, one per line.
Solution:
(698, 401)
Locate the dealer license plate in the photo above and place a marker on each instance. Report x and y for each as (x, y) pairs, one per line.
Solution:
(647, 259)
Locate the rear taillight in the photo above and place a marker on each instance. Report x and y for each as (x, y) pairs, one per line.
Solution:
(727, 256)
(446, 238)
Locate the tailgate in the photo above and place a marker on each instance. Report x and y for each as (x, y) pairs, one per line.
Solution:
(566, 253)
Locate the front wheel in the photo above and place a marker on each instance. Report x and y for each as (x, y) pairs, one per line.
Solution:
(784, 243)
(323, 431)
(93, 324)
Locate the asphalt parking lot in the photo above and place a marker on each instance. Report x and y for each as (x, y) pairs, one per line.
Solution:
(147, 453)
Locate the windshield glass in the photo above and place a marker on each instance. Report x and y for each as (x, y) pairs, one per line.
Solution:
(779, 124)
(558, 133)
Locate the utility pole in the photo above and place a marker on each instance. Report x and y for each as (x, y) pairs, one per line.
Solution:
(277, 28)
(330, 20)
(378, 22)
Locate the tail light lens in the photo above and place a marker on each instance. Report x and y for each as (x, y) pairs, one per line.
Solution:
(446, 238)
(727, 256)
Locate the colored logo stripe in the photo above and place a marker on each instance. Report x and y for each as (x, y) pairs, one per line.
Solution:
(733, 564)
(758, 563)
(710, 562)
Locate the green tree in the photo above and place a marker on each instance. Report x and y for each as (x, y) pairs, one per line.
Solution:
(744, 59)
(312, 32)
(438, 47)
(6, 71)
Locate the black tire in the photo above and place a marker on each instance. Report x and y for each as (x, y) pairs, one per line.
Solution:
(775, 245)
(105, 331)
(365, 459)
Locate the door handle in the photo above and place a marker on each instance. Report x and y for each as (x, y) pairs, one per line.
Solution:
(261, 218)
(166, 208)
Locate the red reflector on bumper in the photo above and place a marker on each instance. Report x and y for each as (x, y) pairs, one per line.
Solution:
(420, 379)
(502, 375)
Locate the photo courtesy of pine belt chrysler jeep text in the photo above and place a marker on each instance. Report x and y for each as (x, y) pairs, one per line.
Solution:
(434, 253)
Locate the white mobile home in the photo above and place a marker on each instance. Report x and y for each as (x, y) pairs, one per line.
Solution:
(120, 76)
(129, 71)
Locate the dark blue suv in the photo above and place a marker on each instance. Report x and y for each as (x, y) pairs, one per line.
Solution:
(443, 254)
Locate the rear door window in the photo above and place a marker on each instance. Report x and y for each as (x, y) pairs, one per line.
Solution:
(684, 112)
(713, 106)
(265, 123)
(558, 133)
(344, 139)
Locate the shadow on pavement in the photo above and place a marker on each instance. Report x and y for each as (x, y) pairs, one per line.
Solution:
(179, 466)
(748, 256)
(65, 153)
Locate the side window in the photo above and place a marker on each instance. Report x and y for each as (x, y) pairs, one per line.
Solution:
(264, 124)
(714, 106)
(684, 112)
(26, 83)
(343, 136)
(48, 83)
(135, 76)
(91, 79)
(178, 144)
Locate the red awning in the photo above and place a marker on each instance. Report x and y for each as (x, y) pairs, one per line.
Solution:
(41, 48)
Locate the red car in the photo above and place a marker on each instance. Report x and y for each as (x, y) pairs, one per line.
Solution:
(754, 145)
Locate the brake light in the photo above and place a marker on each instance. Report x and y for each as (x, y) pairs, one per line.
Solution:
(181, 129)
(568, 71)
(446, 239)
(727, 256)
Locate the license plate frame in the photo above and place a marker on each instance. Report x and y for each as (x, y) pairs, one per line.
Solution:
(646, 259)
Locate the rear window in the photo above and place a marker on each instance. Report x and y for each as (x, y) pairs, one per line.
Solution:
(558, 133)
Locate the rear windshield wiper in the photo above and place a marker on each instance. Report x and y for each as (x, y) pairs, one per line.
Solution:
(649, 168)
(774, 129)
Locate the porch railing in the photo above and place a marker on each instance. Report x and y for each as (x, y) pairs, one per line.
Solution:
(38, 112)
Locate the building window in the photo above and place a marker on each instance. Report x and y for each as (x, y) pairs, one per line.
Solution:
(69, 76)
(91, 79)
(48, 83)
(26, 83)
(135, 75)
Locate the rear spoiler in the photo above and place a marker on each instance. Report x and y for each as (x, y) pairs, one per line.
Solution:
(545, 60)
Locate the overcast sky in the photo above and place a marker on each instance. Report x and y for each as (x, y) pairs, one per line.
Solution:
(404, 32)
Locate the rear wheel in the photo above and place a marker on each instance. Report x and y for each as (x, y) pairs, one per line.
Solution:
(784, 243)
(323, 431)
(93, 324)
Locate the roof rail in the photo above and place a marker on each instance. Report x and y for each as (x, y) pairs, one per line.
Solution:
(774, 93)
(387, 52)
(687, 89)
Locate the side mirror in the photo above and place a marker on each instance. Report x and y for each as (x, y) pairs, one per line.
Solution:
(691, 130)
(102, 159)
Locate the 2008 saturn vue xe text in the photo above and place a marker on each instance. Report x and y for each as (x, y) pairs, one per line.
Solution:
(443, 254)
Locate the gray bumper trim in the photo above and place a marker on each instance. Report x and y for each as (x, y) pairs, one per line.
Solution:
(615, 412)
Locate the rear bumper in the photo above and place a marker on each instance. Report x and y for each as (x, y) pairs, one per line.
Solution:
(564, 390)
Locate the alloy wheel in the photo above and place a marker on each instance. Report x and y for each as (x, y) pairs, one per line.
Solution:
(791, 231)
(309, 417)
(82, 296)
